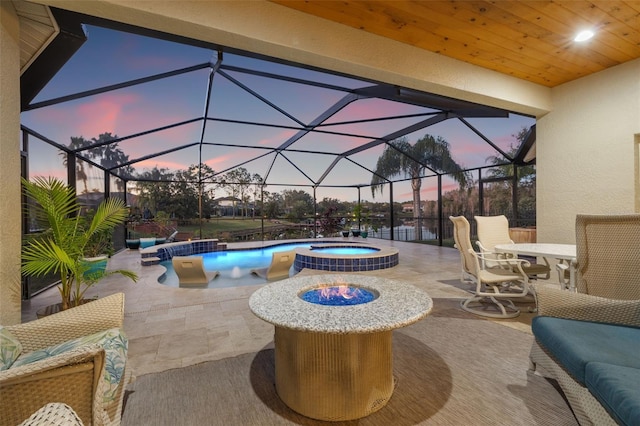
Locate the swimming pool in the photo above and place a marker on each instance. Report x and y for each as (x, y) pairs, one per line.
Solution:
(235, 265)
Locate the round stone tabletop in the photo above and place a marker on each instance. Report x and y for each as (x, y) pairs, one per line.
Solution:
(399, 304)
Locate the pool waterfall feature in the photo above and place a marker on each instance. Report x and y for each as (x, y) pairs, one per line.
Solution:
(155, 254)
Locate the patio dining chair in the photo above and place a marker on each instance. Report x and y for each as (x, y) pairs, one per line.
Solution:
(494, 286)
(608, 256)
(494, 230)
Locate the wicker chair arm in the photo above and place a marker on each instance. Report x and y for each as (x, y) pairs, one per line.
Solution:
(93, 317)
(71, 377)
(79, 355)
(565, 304)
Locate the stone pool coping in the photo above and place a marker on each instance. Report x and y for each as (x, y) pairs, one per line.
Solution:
(399, 304)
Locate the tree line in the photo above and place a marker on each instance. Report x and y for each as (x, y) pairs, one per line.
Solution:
(184, 194)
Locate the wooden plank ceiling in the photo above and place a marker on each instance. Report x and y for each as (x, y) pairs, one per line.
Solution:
(37, 30)
(530, 40)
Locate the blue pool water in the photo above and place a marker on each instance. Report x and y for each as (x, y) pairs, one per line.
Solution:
(234, 265)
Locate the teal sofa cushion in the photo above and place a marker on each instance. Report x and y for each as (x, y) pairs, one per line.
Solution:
(617, 388)
(575, 343)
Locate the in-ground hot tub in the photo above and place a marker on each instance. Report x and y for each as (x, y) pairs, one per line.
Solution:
(335, 362)
(322, 257)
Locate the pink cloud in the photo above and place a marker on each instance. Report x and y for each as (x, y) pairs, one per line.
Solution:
(277, 139)
(102, 114)
(47, 172)
(219, 162)
(160, 164)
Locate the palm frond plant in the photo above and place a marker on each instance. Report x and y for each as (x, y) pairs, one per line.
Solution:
(61, 249)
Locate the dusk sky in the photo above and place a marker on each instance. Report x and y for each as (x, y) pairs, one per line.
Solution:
(110, 57)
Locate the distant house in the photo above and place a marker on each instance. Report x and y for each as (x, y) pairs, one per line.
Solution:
(224, 206)
(407, 207)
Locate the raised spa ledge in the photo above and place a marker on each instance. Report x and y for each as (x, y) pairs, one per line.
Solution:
(381, 258)
(399, 304)
(159, 253)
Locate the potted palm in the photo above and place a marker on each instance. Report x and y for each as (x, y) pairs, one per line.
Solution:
(63, 248)
(99, 248)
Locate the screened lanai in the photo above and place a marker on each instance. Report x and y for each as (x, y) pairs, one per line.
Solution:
(132, 110)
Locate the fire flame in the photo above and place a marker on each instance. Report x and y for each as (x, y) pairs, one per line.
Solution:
(344, 291)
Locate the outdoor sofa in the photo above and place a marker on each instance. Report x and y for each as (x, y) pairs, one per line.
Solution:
(590, 346)
(76, 357)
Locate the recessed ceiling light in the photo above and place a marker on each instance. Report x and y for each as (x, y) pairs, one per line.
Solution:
(584, 35)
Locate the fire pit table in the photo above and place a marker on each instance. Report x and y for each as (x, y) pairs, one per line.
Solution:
(333, 358)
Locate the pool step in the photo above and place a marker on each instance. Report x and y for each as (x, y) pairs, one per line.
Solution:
(147, 261)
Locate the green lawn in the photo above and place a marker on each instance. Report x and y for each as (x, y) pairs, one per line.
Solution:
(221, 227)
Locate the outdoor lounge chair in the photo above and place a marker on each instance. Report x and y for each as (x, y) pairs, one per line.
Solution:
(78, 375)
(190, 271)
(495, 286)
(281, 262)
(494, 230)
(171, 238)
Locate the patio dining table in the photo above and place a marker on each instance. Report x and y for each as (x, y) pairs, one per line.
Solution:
(561, 252)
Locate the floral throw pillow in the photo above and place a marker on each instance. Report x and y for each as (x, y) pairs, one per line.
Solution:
(10, 348)
(115, 344)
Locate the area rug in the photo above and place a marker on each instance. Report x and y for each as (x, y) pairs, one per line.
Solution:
(450, 369)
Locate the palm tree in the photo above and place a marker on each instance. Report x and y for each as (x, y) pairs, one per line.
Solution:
(501, 192)
(110, 156)
(76, 143)
(401, 159)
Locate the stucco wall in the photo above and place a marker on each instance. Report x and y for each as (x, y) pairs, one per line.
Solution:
(10, 170)
(586, 153)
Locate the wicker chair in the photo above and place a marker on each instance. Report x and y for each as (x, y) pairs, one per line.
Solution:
(494, 287)
(607, 268)
(494, 230)
(54, 414)
(608, 256)
(75, 377)
(570, 305)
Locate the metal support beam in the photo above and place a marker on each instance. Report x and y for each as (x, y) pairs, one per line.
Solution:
(391, 214)
(440, 211)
